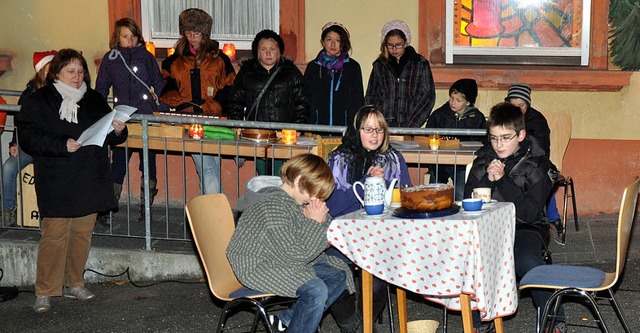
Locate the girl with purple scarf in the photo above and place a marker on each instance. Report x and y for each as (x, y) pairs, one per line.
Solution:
(333, 81)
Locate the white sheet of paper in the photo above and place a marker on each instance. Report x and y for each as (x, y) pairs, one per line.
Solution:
(97, 133)
(123, 113)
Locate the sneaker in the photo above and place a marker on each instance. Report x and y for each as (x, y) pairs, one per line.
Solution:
(560, 327)
(80, 293)
(276, 324)
(42, 304)
(485, 327)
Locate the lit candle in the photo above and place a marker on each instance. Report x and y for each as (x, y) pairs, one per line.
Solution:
(434, 141)
(151, 48)
(170, 51)
(230, 50)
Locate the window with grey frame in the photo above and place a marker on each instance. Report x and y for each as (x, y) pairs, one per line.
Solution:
(235, 21)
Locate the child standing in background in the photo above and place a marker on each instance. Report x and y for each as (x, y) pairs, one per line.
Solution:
(135, 76)
(459, 112)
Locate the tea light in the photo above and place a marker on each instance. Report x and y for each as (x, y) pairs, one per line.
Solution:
(289, 136)
(434, 141)
(151, 48)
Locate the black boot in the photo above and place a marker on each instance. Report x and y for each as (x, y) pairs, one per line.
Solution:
(153, 191)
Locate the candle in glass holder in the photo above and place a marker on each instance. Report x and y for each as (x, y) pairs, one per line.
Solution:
(170, 51)
(230, 50)
(151, 48)
(434, 141)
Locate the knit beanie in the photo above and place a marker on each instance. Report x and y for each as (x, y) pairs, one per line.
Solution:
(520, 90)
(468, 87)
(194, 19)
(395, 25)
(266, 34)
(41, 59)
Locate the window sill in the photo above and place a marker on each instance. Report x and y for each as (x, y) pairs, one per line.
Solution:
(542, 78)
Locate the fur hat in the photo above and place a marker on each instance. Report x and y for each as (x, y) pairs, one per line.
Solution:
(194, 19)
(266, 34)
(468, 87)
(41, 59)
(520, 90)
(396, 25)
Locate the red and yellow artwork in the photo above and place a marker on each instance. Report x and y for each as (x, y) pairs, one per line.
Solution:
(517, 23)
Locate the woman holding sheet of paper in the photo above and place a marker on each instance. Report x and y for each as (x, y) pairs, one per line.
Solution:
(72, 182)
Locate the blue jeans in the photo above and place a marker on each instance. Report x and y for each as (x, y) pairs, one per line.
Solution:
(447, 171)
(10, 169)
(208, 169)
(314, 297)
(552, 209)
(119, 163)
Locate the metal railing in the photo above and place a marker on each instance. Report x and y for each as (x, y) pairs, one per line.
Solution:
(173, 225)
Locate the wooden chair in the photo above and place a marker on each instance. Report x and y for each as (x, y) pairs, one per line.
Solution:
(560, 125)
(585, 282)
(211, 221)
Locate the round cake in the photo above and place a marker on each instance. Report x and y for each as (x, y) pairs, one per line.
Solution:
(428, 197)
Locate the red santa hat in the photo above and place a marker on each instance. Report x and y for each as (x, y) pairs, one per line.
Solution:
(41, 59)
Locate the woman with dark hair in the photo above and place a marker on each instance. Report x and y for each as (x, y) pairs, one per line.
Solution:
(72, 181)
(333, 81)
(365, 152)
(134, 74)
(198, 76)
(401, 84)
(268, 86)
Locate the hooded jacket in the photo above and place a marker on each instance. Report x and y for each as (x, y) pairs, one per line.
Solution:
(282, 102)
(127, 90)
(404, 92)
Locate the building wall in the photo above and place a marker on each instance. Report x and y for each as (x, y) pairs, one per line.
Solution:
(603, 153)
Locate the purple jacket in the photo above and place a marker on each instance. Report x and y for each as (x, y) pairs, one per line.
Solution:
(126, 88)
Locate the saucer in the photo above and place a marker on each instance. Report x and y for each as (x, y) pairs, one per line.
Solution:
(477, 212)
(364, 214)
(396, 205)
(489, 204)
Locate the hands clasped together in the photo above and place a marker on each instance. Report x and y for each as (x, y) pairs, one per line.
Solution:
(495, 170)
(316, 210)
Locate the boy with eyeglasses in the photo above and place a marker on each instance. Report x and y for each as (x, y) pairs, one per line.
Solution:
(517, 170)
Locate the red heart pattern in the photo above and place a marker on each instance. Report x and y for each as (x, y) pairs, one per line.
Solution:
(439, 259)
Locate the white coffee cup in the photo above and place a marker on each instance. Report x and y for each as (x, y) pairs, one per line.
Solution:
(483, 193)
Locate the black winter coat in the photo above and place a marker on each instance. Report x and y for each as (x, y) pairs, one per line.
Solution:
(67, 184)
(282, 102)
(536, 125)
(472, 118)
(526, 183)
(334, 96)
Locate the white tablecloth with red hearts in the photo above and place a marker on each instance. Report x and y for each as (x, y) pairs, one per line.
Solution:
(439, 258)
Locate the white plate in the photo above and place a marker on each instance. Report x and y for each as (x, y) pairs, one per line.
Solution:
(364, 213)
(478, 212)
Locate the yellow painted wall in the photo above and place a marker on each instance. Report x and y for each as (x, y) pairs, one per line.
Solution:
(37, 25)
(40, 25)
(596, 115)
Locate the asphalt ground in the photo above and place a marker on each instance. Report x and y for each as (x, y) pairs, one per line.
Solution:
(188, 306)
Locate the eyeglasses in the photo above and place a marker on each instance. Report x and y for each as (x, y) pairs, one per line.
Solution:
(192, 34)
(370, 130)
(501, 139)
(395, 46)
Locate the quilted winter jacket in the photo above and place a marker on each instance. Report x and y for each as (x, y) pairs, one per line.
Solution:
(127, 89)
(283, 101)
(405, 100)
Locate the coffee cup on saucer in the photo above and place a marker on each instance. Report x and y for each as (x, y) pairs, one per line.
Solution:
(483, 193)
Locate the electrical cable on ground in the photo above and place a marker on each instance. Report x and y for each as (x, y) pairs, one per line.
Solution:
(127, 272)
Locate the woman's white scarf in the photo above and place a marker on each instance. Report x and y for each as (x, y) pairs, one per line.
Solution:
(70, 98)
